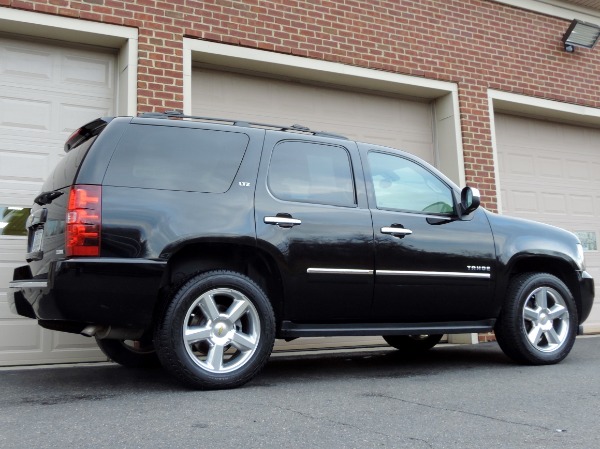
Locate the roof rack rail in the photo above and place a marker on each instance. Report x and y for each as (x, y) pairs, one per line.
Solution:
(242, 123)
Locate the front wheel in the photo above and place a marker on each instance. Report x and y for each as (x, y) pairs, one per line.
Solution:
(217, 332)
(413, 344)
(538, 323)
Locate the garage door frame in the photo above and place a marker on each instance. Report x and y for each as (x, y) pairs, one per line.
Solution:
(536, 108)
(55, 30)
(444, 95)
(121, 38)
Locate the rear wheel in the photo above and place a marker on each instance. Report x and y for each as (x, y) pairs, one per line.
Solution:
(130, 353)
(413, 344)
(538, 323)
(217, 332)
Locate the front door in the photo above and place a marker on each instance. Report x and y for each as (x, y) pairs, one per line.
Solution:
(429, 264)
(312, 218)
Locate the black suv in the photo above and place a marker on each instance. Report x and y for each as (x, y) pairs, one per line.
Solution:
(196, 242)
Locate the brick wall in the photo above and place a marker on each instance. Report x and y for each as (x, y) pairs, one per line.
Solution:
(477, 44)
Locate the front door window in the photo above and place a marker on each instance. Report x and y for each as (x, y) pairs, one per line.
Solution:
(400, 184)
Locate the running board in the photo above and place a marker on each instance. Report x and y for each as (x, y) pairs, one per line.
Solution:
(296, 330)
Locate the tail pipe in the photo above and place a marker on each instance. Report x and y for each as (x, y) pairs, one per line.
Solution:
(109, 332)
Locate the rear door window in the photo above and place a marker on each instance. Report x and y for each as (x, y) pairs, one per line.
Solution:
(309, 172)
(177, 158)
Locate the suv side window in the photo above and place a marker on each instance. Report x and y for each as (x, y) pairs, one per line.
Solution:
(310, 172)
(177, 158)
(401, 184)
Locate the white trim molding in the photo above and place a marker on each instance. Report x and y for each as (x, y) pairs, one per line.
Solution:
(535, 108)
(338, 271)
(556, 8)
(442, 94)
(124, 39)
(450, 274)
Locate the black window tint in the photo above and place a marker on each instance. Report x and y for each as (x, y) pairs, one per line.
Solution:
(401, 184)
(174, 158)
(66, 170)
(311, 173)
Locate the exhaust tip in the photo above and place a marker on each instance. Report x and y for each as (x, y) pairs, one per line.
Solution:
(90, 331)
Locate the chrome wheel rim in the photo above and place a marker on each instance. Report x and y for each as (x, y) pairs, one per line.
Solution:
(546, 319)
(221, 330)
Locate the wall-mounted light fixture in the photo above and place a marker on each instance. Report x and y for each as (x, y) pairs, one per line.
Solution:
(580, 34)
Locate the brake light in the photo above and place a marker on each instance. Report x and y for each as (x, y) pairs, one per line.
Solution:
(84, 221)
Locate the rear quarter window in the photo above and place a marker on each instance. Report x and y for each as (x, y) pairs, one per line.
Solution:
(177, 158)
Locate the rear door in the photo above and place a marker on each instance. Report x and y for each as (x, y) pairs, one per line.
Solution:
(430, 265)
(312, 216)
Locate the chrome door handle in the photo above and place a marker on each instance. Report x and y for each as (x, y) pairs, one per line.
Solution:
(283, 221)
(395, 231)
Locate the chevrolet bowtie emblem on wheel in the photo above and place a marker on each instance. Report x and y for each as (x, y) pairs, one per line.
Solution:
(220, 330)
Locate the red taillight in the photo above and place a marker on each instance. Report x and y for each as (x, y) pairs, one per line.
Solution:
(84, 221)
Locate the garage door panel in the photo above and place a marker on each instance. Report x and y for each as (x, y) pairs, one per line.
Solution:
(519, 200)
(25, 114)
(21, 336)
(25, 62)
(71, 116)
(90, 72)
(583, 206)
(361, 116)
(550, 167)
(23, 166)
(12, 251)
(63, 341)
(556, 203)
(579, 170)
(46, 92)
(61, 66)
(517, 164)
(550, 172)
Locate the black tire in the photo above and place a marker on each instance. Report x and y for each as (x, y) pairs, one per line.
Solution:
(132, 354)
(230, 326)
(413, 344)
(538, 323)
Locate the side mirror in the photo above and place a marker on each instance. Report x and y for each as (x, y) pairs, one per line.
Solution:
(469, 200)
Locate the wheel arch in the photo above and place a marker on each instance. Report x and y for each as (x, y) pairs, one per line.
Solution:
(555, 266)
(195, 258)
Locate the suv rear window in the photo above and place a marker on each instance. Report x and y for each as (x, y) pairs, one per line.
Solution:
(177, 158)
(66, 170)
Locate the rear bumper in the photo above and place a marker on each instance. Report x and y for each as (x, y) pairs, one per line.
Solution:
(114, 292)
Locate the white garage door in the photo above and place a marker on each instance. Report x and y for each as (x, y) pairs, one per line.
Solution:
(46, 92)
(550, 172)
(398, 123)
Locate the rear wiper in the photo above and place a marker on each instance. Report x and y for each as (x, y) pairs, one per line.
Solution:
(47, 197)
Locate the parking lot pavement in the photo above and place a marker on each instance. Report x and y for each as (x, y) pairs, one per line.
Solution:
(452, 397)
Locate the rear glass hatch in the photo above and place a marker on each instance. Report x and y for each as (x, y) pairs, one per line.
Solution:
(47, 223)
